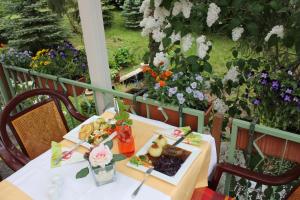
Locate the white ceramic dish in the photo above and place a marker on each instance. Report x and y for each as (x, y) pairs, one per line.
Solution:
(184, 167)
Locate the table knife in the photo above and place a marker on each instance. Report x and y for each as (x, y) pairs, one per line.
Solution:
(182, 138)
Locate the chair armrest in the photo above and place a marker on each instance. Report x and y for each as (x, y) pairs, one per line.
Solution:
(254, 176)
(9, 160)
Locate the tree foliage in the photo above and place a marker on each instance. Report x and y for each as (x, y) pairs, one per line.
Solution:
(33, 26)
(132, 14)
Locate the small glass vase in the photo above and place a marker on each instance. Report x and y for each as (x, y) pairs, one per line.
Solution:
(104, 175)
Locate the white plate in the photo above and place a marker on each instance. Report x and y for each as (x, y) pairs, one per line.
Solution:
(182, 170)
(73, 134)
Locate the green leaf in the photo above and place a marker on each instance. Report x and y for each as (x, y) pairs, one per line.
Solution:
(235, 53)
(82, 173)
(208, 67)
(118, 157)
(109, 144)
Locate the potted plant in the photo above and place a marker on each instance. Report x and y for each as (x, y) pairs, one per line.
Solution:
(64, 61)
(102, 164)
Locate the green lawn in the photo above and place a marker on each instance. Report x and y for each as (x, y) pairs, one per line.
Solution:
(118, 36)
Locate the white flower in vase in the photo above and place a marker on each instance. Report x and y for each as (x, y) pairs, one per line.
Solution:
(100, 156)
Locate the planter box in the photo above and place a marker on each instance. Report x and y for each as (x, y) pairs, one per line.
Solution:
(270, 145)
(189, 120)
(78, 90)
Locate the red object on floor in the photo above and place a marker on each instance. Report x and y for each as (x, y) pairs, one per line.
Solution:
(208, 194)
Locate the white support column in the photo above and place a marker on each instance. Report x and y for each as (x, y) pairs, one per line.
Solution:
(95, 47)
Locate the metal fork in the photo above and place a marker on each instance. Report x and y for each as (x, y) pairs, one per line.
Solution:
(147, 174)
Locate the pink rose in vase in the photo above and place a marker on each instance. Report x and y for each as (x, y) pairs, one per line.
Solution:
(100, 156)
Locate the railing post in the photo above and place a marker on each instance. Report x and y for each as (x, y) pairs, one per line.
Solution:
(95, 46)
(4, 88)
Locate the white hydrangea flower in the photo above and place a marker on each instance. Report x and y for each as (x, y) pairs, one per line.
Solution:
(183, 6)
(157, 3)
(175, 37)
(149, 24)
(220, 106)
(207, 85)
(237, 33)
(232, 75)
(160, 58)
(158, 35)
(187, 42)
(276, 30)
(212, 14)
(202, 46)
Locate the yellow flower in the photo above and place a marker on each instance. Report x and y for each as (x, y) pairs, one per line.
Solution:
(34, 58)
(46, 63)
(41, 63)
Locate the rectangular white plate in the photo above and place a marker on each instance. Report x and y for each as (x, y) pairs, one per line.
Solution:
(182, 170)
(73, 134)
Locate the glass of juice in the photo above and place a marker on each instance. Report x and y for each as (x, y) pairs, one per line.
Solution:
(125, 140)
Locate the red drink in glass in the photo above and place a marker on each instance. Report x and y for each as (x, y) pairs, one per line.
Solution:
(125, 140)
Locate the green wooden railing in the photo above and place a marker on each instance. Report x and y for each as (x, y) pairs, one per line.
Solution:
(21, 79)
(264, 130)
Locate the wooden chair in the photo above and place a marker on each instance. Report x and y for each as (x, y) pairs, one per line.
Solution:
(209, 192)
(34, 127)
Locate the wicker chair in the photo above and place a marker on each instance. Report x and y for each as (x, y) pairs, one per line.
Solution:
(35, 127)
(209, 192)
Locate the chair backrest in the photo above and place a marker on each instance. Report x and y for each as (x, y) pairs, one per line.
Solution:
(36, 126)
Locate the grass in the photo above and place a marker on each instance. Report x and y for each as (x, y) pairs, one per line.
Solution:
(118, 36)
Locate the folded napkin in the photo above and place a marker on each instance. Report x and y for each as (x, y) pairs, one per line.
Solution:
(193, 138)
(57, 151)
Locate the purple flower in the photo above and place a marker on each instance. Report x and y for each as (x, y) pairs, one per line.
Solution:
(180, 98)
(264, 74)
(256, 101)
(172, 91)
(194, 85)
(156, 86)
(264, 81)
(275, 85)
(83, 66)
(287, 98)
(63, 55)
(188, 90)
(52, 54)
(289, 91)
(199, 95)
(199, 78)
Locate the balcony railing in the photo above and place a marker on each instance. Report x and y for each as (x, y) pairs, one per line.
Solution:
(21, 79)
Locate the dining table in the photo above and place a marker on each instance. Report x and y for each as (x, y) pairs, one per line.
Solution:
(36, 179)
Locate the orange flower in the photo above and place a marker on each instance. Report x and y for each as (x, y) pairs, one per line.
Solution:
(153, 74)
(168, 73)
(162, 83)
(146, 68)
(157, 78)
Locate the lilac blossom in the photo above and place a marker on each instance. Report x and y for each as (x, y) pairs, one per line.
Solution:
(264, 81)
(172, 91)
(63, 55)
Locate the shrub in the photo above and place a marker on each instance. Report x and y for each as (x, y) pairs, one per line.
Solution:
(123, 57)
(16, 58)
(65, 61)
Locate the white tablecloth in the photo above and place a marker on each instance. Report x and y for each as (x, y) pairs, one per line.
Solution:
(35, 178)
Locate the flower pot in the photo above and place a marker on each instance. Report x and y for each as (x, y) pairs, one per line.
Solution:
(173, 116)
(104, 175)
(51, 85)
(270, 145)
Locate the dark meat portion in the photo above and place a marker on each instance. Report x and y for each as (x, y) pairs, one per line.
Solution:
(168, 165)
